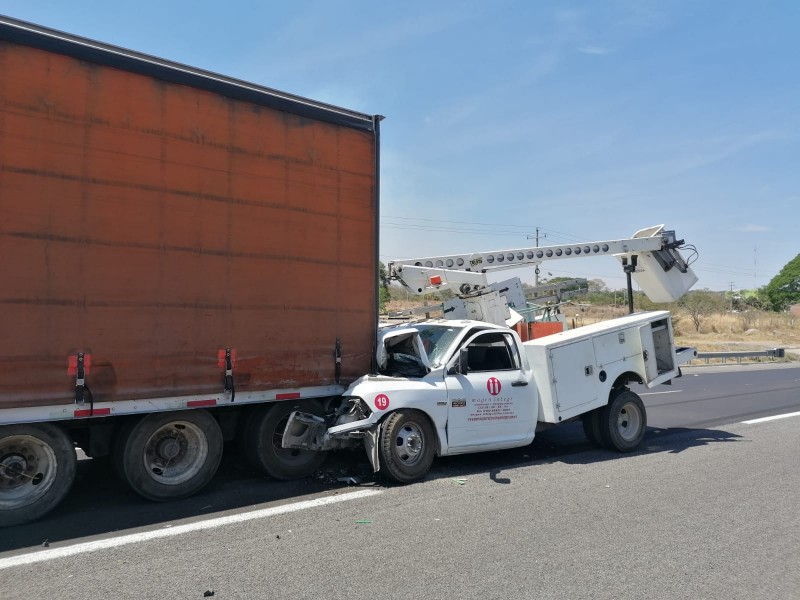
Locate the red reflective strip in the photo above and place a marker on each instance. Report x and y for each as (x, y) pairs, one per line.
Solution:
(98, 412)
(194, 403)
(222, 355)
(72, 364)
(292, 396)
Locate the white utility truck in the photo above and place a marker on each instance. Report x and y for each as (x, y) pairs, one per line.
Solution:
(452, 386)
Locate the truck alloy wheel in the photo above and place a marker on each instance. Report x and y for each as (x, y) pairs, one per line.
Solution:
(406, 446)
(37, 468)
(166, 456)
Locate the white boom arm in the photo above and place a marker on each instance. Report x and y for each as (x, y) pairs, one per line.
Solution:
(660, 270)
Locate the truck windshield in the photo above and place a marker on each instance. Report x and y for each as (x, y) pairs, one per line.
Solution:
(436, 339)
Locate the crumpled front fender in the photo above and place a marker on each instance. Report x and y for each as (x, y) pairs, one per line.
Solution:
(305, 431)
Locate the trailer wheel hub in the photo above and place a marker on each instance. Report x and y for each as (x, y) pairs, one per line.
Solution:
(27, 470)
(168, 448)
(12, 469)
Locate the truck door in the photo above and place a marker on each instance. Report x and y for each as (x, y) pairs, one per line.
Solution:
(492, 404)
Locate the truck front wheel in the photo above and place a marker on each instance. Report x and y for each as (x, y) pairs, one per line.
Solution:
(263, 436)
(623, 422)
(166, 456)
(406, 446)
(37, 468)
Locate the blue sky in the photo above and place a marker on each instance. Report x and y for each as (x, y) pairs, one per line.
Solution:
(589, 120)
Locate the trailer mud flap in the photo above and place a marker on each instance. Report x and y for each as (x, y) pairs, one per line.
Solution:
(304, 431)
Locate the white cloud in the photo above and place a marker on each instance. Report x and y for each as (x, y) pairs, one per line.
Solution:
(752, 228)
(598, 50)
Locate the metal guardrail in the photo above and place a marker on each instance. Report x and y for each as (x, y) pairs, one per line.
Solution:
(772, 353)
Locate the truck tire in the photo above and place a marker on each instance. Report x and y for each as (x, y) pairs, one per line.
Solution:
(623, 421)
(262, 439)
(37, 469)
(167, 456)
(591, 427)
(407, 446)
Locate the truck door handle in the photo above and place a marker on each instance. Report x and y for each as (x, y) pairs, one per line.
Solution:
(519, 383)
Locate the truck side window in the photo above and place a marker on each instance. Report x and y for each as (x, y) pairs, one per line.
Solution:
(491, 352)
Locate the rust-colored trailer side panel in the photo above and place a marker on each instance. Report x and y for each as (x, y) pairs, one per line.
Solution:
(152, 223)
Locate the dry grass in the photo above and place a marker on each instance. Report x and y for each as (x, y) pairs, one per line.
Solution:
(720, 332)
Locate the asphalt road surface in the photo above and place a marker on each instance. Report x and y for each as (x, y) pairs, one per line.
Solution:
(707, 508)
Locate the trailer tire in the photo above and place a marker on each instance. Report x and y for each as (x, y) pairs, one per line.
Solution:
(623, 421)
(407, 446)
(592, 429)
(262, 438)
(37, 469)
(168, 456)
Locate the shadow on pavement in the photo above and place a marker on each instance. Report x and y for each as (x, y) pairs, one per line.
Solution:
(100, 504)
(568, 444)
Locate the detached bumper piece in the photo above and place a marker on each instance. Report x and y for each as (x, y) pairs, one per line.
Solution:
(310, 432)
(306, 432)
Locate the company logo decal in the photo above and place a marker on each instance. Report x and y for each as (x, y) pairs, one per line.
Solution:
(494, 386)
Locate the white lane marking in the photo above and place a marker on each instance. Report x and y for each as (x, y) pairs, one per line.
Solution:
(772, 418)
(656, 393)
(135, 538)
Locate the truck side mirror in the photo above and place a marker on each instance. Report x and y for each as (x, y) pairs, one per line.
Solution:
(463, 361)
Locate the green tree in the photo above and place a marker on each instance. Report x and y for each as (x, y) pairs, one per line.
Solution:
(700, 304)
(784, 289)
(383, 286)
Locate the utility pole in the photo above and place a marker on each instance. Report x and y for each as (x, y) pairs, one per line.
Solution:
(731, 304)
(536, 271)
(755, 270)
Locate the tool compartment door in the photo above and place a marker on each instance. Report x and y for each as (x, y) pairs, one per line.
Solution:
(574, 376)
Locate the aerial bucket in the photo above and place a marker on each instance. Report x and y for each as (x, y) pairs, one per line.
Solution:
(663, 275)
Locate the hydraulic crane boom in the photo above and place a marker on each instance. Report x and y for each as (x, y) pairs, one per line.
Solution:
(652, 253)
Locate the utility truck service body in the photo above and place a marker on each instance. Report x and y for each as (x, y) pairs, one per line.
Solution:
(186, 259)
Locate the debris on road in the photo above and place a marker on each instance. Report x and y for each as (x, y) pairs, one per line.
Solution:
(349, 480)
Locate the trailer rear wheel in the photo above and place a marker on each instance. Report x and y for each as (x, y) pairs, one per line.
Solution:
(263, 436)
(623, 421)
(166, 456)
(406, 446)
(37, 468)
